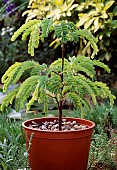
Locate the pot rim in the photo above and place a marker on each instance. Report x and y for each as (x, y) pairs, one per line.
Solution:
(91, 126)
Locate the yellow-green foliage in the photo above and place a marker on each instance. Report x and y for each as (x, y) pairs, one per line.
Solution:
(41, 87)
(64, 31)
(9, 98)
(30, 28)
(14, 73)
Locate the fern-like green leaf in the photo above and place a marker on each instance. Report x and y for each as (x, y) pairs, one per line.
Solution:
(61, 31)
(75, 99)
(46, 26)
(27, 32)
(38, 70)
(83, 64)
(102, 65)
(34, 98)
(85, 105)
(82, 85)
(14, 73)
(9, 98)
(54, 84)
(24, 67)
(72, 26)
(23, 28)
(35, 35)
(25, 90)
(30, 47)
(45, 100)
(34, 38)
(104, 91)
(56, 66)
(65, 31)
(8, 77)
(93, 41)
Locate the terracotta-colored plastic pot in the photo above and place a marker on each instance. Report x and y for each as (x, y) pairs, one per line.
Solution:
(59, 150)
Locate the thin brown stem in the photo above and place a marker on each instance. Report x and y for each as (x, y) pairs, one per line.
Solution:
(57, 101)
(60, 114)
(63, 53)
(61, 100)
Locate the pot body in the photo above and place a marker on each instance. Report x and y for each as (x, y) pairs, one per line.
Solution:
(59, 150)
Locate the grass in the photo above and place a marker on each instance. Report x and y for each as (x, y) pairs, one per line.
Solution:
(13, 153)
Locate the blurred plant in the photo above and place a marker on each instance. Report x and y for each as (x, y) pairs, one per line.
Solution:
(99, 16)
(10, 7)
(10, 13)
(12, 145)
(50, 8)
(9, 53)
(102, 152)
(103, 115)
(114, 117)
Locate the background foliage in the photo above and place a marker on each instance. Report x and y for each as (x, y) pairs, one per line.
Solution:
(10, 20)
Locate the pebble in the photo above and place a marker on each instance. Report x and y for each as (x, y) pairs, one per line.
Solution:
(69, 123)
(43, 127)
(83, 127)
(64, 120)
(76, 126)
(49, 126)
(67, 127)
(74, 122)
(54, 126)
(45, 123)
(80, 127)
(64, 123)
(55, 121)
(51, 123)
(63, 127)
(34, 123)
(65, 130)
(72, 129)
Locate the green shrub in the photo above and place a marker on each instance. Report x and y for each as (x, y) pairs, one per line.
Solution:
(102, 152)
(103, 115)
(13, 154)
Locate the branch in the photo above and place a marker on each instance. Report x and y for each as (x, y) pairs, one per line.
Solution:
(59, 74)
(48, 93)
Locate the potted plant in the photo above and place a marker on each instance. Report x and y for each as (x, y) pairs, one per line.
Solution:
(56, 143)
